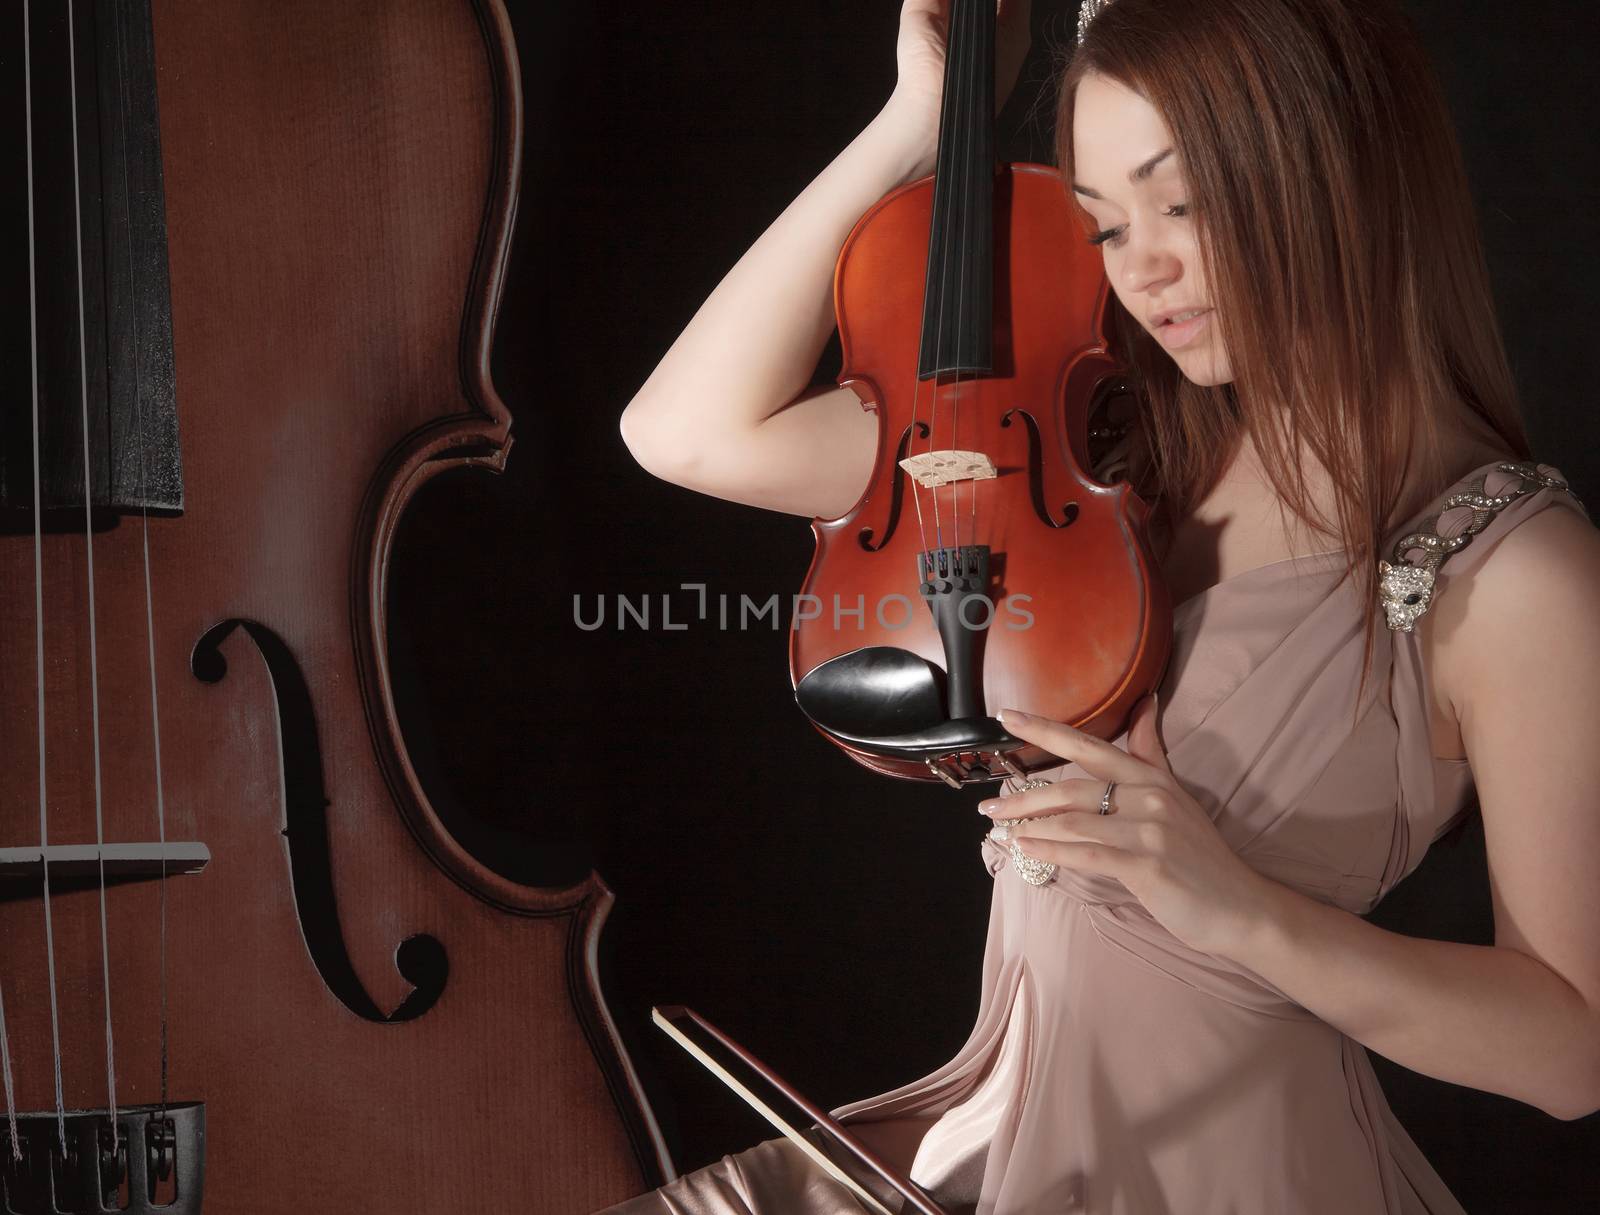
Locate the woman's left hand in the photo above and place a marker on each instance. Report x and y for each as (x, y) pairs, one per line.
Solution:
(1157, 840)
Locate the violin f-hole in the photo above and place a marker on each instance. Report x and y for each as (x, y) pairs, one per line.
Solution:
(897, 489)
(1047, 514)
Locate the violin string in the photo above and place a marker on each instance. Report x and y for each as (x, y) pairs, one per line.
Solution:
(149, 596)
(935, 263)
(916, 402)
(956, 37)
(942, 194)
(916, 496)
(986, 102)
(966, 85)
(38, 618)
(88, 552)
(971, 18)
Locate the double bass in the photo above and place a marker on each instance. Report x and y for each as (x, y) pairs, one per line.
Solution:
(255, 253)
(984, 566)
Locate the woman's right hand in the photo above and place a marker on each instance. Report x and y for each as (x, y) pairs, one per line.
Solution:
(920, 55)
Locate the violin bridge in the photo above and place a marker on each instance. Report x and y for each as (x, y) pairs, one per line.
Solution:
(931, 469)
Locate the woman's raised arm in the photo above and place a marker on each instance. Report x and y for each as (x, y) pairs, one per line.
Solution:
(728, 410)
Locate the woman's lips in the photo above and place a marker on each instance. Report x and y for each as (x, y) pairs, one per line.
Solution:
(1180, 333)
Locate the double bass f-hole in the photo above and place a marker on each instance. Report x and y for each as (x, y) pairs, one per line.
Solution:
(420, 958)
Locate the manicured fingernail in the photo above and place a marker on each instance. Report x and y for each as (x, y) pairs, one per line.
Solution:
(988, 807)
(1000, 833)
(1014, 717)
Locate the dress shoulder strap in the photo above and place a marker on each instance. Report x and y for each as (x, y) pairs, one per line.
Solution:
(1405, 586)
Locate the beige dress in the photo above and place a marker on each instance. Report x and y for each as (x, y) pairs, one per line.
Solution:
(1115, 1071)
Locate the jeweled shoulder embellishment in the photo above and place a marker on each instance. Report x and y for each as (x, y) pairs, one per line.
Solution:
(1405, 587)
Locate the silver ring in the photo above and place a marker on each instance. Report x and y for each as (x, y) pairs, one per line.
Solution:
(1105, 798)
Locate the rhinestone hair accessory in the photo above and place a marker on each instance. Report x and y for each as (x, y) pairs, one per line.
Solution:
(1089, 11)
(1405, 588)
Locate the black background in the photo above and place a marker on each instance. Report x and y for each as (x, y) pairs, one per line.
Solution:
(831, 919)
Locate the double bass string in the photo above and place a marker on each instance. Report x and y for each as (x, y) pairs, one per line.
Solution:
(11, 1096)
(38, 624)
(27, 71)
(149, 596)
(88, 551)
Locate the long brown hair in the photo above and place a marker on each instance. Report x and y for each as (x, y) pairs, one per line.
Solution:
(1341, 248)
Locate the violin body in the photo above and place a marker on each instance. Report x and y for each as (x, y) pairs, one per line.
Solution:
(982, 568)
(1080, 624)
(366, 1017)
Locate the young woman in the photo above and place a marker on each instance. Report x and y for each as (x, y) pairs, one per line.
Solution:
(1176, 1020)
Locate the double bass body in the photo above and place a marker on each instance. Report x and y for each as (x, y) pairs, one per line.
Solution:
(365, 1017)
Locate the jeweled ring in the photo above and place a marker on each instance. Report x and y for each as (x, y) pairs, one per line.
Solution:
(1105, 798)
(1029, 868)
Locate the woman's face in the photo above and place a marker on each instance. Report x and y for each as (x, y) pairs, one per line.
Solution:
(1128, 178)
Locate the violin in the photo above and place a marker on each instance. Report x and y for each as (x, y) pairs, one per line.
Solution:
(983, 566)
(242, 958)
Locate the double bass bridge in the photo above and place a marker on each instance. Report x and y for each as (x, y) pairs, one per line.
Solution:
(74, 1165)
(21, 869)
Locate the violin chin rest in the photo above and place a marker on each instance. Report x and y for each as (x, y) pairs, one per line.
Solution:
(891, 702)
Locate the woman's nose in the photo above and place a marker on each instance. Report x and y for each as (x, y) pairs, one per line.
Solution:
(1148, 264)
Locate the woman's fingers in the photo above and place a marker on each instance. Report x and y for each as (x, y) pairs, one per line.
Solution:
(1095, 756)
(1058, 798)
(1040, 837)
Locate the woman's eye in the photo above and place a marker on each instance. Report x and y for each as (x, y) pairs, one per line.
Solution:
(1112, 236)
